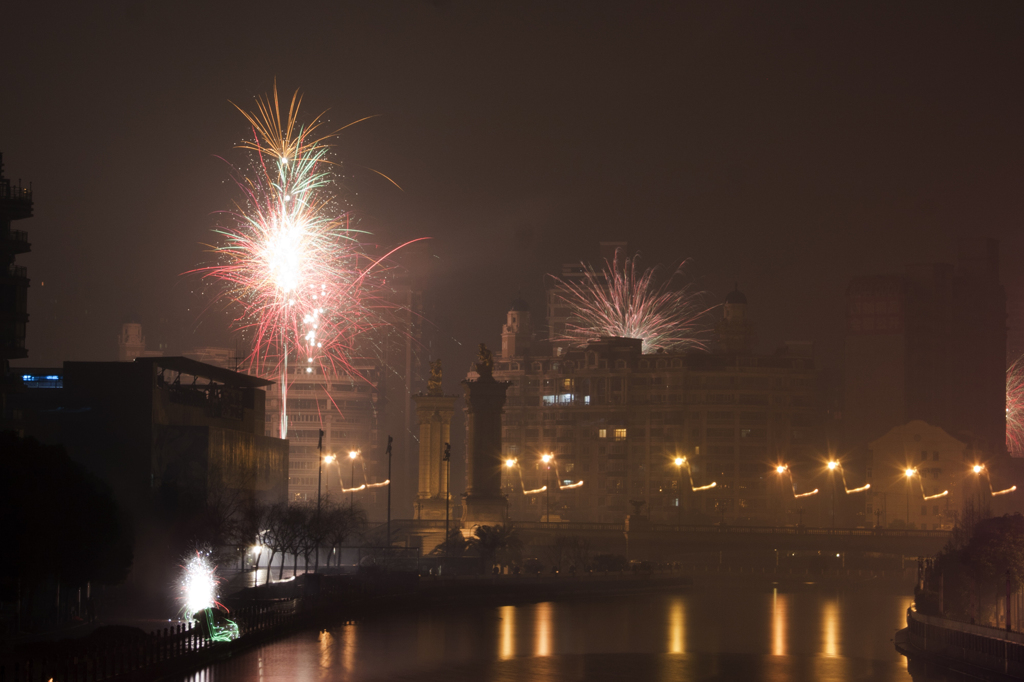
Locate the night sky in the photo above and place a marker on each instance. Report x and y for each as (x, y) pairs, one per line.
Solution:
(786, 147)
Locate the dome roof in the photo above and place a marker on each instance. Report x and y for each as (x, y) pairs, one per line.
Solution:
(736, 296)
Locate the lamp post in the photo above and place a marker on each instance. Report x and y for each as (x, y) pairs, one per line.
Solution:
(328, 459)
(509, 464)
(352, 454)
(679, 462)
(546, 458)
(319, 472)
(781, 471)
(389, 491)
(909, 473)
(977, 469)
(447, 459)
(831, 469)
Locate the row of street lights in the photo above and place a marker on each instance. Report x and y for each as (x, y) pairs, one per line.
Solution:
(547, 459)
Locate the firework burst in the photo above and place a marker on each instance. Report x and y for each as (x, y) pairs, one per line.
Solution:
(289, 258)
(198, 585)
(621, 300)
(1015, 407)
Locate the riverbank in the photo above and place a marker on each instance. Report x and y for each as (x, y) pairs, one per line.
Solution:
(315, 601)
(976, 651)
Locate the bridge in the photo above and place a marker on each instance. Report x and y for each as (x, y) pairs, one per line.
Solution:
(664, 540)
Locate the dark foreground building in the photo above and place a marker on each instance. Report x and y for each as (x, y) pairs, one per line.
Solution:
(15, 204)
(162, 432)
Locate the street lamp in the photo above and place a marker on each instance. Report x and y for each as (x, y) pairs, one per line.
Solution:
(352, 454)
(329, 459)
(679, 462)
(982, 469)
(831, 468)
(546, 458)
(909, 474)
(509, 464)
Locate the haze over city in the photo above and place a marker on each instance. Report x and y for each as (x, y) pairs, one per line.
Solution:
(529, 340)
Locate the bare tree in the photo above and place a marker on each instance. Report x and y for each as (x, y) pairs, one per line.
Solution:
(251, 526)
(339, 523)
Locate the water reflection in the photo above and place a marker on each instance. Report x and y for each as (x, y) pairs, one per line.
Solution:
(830, 628)
(725, 632)
(543, 615)
(780, 619)
(348, 648)
(507, 642)
(676, 626)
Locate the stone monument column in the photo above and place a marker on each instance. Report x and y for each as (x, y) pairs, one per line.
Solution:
(485, 400)
(434, 412)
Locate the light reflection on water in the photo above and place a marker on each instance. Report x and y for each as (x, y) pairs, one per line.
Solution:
(811, 633)
(779, 622)
(676, 626)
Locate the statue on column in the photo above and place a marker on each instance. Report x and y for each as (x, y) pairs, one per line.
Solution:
(434, 383)
(485, 363)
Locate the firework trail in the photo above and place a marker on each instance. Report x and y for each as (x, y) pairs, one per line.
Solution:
(288, 256)
(621, 300)
(1015, 407)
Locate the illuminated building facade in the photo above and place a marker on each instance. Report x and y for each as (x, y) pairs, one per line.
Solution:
(346, 407)
(914, 461)
(616, 419)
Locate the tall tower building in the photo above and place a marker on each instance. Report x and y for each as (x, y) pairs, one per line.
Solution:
(929, 344)
(517, 332)
(15, 204)
(735, 331)
(131, 343)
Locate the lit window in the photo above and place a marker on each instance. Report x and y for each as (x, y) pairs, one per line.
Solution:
(602, 433)
(620, 434)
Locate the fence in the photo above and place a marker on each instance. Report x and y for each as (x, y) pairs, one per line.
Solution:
(142, 656)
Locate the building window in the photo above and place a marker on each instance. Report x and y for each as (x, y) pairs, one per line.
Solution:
(935, 456)
(935, 510)
(924, 510)
(620, 434)
(924, 455)
(602, 433)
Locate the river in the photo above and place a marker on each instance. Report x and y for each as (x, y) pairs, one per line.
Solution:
(804, 632)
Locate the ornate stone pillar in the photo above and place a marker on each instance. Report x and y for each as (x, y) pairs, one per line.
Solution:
(485, 400)
(434, 412)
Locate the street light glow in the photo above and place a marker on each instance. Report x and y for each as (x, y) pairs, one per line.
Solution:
(547, 458)
(910, 472)
(510, 463)
(680, 461)
(353, 454)
(977, 468)
(329, 459)
(832, 465)
(781, 469)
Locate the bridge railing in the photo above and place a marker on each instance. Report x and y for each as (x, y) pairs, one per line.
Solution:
(683, 528)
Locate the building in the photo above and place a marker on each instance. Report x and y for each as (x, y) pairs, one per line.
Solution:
(616, 419)
(15, 204)
(929, 345)
(346, 407)
(941, 462)
(162, 432)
